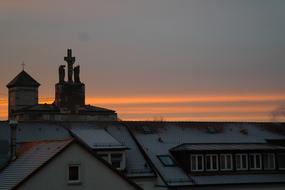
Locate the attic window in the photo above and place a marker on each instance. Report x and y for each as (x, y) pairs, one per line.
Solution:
(212, 162)
(255, 161)
(281, 163)
(166, 160)
(241, 161)
(226, 162)
(73, 174)
(197, 162)
(116, 159)
(269, 161)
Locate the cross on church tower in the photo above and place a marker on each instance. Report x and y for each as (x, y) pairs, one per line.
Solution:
(70, 61)
(23, 65)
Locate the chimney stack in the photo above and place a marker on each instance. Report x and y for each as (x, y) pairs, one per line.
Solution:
(13, 127)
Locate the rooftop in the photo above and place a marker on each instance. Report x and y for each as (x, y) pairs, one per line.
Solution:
(23, 79)
(31, 156)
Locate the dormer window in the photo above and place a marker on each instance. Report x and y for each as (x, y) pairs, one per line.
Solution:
(255, 161)
(225, 157)
(281, 163)
(241, 162)
(212, 162)
(269, 161)
(226, 162)
(197, 162)
(117, 159)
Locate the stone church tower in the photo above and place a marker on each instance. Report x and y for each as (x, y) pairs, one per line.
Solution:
(69, 104)
(23, 92)
(70, 94)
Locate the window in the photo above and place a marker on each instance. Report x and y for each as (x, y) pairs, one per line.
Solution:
(73, 173)
(269, 161)
(116, 159)
(166, 160)
(197, 162)
(212, 162)
(241, 161)
(281, 162)
(226, 162)
(104, 157)
(255, 161)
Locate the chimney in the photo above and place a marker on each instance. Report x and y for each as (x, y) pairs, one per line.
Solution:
(13, 127)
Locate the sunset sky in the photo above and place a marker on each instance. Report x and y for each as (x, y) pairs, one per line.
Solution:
(202, 60)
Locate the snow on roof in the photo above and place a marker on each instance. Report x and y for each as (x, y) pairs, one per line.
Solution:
(227, 147)
(38, 131)
(157, 138)
(97, 138)
(31, 156)
(136, 165)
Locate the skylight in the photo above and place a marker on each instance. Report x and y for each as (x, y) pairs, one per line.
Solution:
(166, 160)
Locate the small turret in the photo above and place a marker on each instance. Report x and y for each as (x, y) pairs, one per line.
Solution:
(23, 91)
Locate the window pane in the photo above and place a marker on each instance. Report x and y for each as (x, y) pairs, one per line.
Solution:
(269, 161)
(208, 162)
(193, 163)
(281, 161)
(241, 161)
(200, 163)
(116, 160)
(166, 160)
(244, 161)
(251, 161)
(238, 161)
(215, 162)
(73, 173)
(258, 161)
(229, 162)
(223, 162)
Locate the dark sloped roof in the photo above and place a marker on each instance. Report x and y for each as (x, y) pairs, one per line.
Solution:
(31, 156)
(39, 108)
(23, 79)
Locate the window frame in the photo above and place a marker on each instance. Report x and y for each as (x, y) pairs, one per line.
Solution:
(274, 161)
(211, 156)
(241, 161)
(226, 162)
(196, 163)
(160, 157)
(283, 154)
(74, 182)
(109, 158)
(255, 156)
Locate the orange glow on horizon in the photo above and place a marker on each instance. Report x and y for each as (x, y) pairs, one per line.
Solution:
(256, 107)
(182, 99)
